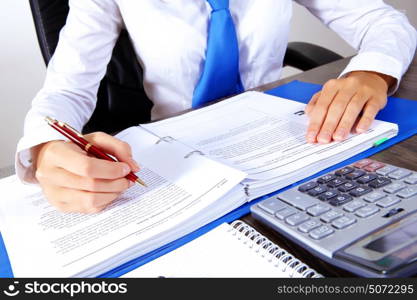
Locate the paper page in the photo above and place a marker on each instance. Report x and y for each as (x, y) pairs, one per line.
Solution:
(259, 134)
(216, 254)
(44, 242)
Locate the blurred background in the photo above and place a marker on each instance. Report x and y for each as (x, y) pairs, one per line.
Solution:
(23, 70)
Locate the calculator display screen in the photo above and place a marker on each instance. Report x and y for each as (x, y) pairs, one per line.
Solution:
(388, 251)
(390, 241)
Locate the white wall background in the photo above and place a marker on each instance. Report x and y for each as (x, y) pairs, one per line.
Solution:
(23, 70)
(21, 73)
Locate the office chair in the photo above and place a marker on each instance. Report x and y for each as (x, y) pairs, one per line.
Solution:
(121, 99)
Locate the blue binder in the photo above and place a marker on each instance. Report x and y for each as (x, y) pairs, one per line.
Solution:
(400, 111)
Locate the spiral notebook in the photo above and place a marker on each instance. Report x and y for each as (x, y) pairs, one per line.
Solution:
(229, 250)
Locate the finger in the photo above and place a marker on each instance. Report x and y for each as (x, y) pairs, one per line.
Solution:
(311, 103)
(63, 178)
(121, 150)
(349, 117)
(334, 114)
(369, 113)
(68, 156)
(70, 200)
(319, 112)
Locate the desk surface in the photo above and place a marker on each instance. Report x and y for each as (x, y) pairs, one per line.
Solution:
(403, 154)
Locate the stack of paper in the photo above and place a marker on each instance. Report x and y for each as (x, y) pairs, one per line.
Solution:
(264, 136)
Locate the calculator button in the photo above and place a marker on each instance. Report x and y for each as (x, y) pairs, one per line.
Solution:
(411, 179)
(328, 195)
(354, 205)
(374, 196)
(326, 178)
(386, 170)
(366, 211)
(336, 182)
(344, 171)
(321, 232)
(408, 192)
(388, 201)
(360, 191)
(294, 198)
(317, 190)
(307, 186)
(297, 219)
(330, 216)
(309, 225)
(399, 174)
(362, 163)
(376, 165)
(286, 212)
(379, 182)
(272, 205)
(355, 174)
(340, 200)
(394, 187)
(366, 178)
(343, 222)
(350, 185)
(318, 210)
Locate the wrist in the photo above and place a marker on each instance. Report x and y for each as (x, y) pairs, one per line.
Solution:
(37, 151)
(388, 80)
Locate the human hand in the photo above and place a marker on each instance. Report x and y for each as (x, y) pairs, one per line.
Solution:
(346, 103)
(73, 181)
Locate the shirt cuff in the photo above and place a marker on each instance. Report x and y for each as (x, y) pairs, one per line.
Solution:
(376, 62)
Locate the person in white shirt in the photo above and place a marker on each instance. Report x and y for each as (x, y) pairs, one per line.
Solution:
(170, 38)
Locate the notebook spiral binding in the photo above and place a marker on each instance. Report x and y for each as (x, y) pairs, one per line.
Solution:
(283, 260)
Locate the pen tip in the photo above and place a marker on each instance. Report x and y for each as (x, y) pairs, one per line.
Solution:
(138, 181)
(49, 119)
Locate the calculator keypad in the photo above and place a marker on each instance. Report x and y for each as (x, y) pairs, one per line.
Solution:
(335, 202)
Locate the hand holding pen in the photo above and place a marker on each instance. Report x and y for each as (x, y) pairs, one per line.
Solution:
(74, 181)
(78, 139)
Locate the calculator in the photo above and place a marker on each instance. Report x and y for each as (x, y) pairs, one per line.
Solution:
(361, 217)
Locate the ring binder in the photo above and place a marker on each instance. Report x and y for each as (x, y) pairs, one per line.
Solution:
(193, 152)
(168, 139)
(280, 258)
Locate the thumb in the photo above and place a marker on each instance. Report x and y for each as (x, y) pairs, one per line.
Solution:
(111, 145)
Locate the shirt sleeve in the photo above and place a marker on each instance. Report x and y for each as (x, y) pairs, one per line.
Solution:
(383, 37)
(73, 76)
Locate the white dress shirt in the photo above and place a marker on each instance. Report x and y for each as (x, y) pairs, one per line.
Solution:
(169, 38)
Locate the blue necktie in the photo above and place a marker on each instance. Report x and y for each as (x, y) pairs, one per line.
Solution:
(220, 77)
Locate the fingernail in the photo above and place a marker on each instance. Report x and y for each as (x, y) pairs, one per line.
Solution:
(360, 130)
(311, 137)
(340, 134)
(135, 165)
(324, 138)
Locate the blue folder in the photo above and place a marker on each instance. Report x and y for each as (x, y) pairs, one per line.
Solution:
(400, 111)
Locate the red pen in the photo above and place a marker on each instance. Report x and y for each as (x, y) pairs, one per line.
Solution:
(78, 139)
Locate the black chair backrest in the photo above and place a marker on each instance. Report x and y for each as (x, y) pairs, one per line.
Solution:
(121, 99)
